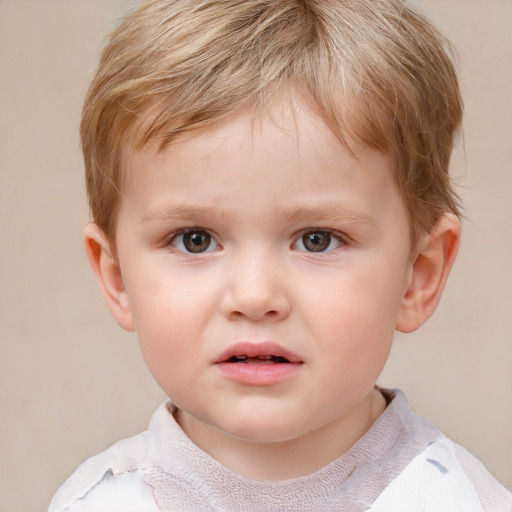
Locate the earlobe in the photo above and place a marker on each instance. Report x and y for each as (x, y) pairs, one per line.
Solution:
(108, 272)
(431, 266)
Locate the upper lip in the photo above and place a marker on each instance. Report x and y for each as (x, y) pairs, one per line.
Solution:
(255, 349)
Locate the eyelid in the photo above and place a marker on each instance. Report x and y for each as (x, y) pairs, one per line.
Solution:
(170, 239)
(340, 237)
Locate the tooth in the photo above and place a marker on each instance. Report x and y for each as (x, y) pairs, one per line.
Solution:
(241, 358)
(266, 358)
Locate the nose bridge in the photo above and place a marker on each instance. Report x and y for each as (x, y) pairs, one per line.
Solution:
(255, 286)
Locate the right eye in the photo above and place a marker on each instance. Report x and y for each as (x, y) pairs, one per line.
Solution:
(318, 241)
(194, 241)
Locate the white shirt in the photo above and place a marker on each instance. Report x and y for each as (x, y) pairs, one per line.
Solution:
(402, 464)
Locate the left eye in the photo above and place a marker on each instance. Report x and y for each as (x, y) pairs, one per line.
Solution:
(194, 241)
(318, 241)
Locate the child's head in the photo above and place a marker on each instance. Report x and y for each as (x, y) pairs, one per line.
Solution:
(373, 71)
(259, 167)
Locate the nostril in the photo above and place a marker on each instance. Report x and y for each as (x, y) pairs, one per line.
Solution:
(256, 315)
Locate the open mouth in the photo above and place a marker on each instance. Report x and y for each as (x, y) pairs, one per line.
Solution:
(270, 359)
(259, 353)
(262, 363)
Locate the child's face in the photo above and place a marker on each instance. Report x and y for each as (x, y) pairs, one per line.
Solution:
(264, 239)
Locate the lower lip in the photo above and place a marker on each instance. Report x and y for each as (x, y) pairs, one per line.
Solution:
(259, 374)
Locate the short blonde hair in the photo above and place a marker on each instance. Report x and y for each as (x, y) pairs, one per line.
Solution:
(374, 69)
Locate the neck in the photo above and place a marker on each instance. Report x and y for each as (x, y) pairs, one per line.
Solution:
(287, 459)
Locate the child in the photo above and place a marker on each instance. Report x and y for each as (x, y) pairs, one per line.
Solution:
(269, 188)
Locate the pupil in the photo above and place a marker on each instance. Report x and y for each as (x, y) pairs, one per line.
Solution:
(197, 241)
(316, 242)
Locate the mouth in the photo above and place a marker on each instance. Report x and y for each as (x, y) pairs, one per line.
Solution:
(260, 364)
(264, 359)
(264, 353)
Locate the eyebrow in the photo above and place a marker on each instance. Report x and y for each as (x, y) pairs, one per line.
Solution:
(332, 213)
(181, 211)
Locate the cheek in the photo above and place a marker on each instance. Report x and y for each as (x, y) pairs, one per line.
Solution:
(168, 329)
(168, 300)
(170, 350)
(354, 313)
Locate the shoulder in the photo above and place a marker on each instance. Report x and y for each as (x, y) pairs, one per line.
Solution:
(112, 481)
(445, 477)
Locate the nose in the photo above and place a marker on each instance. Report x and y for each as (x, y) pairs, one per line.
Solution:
(255, 290)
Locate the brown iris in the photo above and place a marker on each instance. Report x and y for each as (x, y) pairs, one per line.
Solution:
(197, 241)
(316, 241)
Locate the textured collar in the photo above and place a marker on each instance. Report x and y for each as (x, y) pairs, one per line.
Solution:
(356, 478)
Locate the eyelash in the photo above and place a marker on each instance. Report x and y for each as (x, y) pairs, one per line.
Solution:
(332, 235)
(324, 240)
(173, 237)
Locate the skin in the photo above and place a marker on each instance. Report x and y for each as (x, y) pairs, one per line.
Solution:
(250, 191)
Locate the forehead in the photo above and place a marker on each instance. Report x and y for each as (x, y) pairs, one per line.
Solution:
(293, 115)
(287, 159)
(256, 130)
(355, 120)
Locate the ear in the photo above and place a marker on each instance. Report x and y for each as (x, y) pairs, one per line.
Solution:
(108, 272)
(430, 267)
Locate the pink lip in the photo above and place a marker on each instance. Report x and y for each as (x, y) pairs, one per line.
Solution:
(260, 373)
(255, 349)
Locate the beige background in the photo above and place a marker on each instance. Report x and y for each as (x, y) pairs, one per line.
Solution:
(72, 382)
